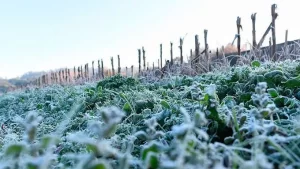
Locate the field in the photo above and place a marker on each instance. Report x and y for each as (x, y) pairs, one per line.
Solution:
(244, 117)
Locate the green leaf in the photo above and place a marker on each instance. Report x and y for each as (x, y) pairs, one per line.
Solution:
(39, 106)
(255, 63)
(165, 104)
(152, 160)
(292, 83)
(32, 166)
(15, 150)
(47, 140)
(99, 165)
(127, 107)
(228, 140)
(123, 96)
(93, 148)
(152, 147)
(273, 92)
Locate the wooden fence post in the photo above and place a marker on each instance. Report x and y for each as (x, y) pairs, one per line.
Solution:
(66, 70)
(144, 57)
(206, 48)
(99, 69)
(274, 15)
(93, 69)
(81, 72)
(131, 70)
(102, 69)
(69, 75)
(217, 53)
(191, 57)
(171, 53)
(147, 66)
(270, 47)
(87, 72)
(238, 24)
(74, 73)
(254, 44)
(160, 56)
(197, 50)
(59, 76)
(126, 71)
(153, 66)
(180, 47)
(265, 34)
(119, 65)
(158, 63)
(285, 43)
(112, 65)
(139, 55)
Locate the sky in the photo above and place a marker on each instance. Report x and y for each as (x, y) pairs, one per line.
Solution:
(45, 35)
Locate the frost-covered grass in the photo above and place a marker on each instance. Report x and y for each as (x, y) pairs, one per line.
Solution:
(246, 117)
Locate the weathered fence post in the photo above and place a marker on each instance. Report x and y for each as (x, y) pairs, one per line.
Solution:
(93, 69)
(153, 66)
(286, 43)
(158, 63)
(102, 69)
(147, 66)
(238, 24)
(59, 76)
(144, 57)
(206, 48)
(74, 73)
(119, 65)
(87, 72)
(131, 70)
(139, 55)
(254, 44)
(69, 75)
(180, 47)
(160, 56)
(99, 69)
(270, 47)
(274, 15)
(171, 53)
(66, 70)
(112, 65)
(81, 72)
(126, 71)
(217, 53)
(191, 57)
(197, 50)
(63, 75)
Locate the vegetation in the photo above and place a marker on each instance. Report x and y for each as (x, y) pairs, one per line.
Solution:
(247, 117)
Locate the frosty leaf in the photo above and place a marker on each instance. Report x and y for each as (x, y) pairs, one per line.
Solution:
(181, 130)
(165, 104)
(112, 114)
(141, 135)
(153, 146)
(48, 140)
(200, 119)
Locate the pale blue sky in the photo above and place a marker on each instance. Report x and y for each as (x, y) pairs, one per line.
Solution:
(40, 35)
